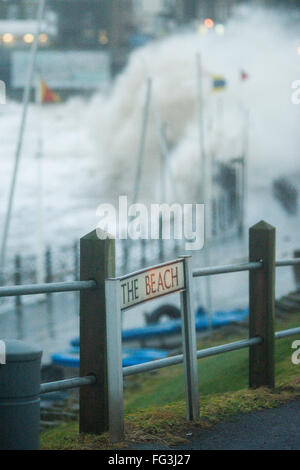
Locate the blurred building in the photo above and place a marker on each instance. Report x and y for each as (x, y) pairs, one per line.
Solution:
(84, 42)
(75, 34)
(280, 3)
(218, 10)
(160, 17)
(163, 15)
(147, 15)
(96, 24)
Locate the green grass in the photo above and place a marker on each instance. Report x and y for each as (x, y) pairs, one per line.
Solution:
(154, 402)
(226, 372)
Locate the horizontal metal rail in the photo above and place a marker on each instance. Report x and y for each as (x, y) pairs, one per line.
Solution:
(171, 361)
(201, 353)
(29, 289)
(152, 365)
(233, 268)
(230, 268)
(67, 383)
(160, 363)
(285, 333)
(244, 343)
(73, 286)
(287, 262)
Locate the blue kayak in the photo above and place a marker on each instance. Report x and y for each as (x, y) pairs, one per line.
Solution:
(131, 357)
(169, 328)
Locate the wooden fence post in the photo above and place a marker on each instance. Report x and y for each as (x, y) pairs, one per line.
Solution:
(48, 275)
(221, 213)
(76, 274)
(296, 270)
(143, 249)
(262, 305)
(97, 262)
(125, 253)
(160, 240)
(214, 216)
(18, 280)
(48, 262)
(18, 299)
(76, 260)
(242, 196)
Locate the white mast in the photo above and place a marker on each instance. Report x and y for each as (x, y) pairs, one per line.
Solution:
(205, 185)
(26, 98)
(142, 141)
(39, 160)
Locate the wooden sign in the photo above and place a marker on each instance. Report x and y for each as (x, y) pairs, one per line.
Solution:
(151, 283)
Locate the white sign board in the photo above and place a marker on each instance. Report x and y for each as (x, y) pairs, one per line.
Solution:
(64, 69)
(151, 283)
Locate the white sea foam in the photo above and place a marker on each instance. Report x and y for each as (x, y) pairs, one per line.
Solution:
(91, 146)
(261, 42)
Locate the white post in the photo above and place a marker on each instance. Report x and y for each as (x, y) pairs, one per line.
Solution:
(39, 157)
(114, 360)
(201, 127)
(245, 168)
(26, 98)
(166, 170)
(142, 141)
(205, 186)
(245, 148)
(189, 343)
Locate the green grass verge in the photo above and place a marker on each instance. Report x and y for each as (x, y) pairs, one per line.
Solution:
(154, 402)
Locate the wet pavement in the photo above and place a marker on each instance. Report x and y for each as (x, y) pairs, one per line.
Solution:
(272, 429)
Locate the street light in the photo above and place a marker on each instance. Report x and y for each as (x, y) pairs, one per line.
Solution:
(103, 39)
(219, 28)
(28, 38)
(8, 38)
(43, 38)
(209, 23)
(202, 29)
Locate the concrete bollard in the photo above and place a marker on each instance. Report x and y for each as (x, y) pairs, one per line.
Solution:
(19, 397)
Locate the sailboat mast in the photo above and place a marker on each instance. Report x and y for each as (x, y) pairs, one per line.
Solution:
(26, 98)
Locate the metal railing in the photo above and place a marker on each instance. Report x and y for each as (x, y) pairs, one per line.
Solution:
(93, 316)
(74, 382)
(202, 353)
(55, 287)
(230, 268)
(234, 268)
(159, 363)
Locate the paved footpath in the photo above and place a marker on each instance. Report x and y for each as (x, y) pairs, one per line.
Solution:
(272, 429)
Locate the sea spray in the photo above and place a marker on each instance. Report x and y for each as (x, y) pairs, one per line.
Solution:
(262, 42)
(91, 146)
